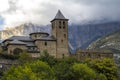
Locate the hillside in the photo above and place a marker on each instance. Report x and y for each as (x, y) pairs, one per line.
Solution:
(111, 42)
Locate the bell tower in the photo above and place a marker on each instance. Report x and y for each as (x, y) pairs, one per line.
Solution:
(60, 33)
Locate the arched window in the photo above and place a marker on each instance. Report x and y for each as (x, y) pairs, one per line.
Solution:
(45, 43)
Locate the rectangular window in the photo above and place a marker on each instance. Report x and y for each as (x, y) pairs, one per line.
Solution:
(45, 43)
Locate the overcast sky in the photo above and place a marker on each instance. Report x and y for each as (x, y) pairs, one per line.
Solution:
(16, 12)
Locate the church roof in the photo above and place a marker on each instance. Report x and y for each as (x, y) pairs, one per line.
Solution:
(15, 41)
(20, 38)
(59, 15)
(49, 38)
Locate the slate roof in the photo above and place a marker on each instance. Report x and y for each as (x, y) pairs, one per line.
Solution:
(30, 44)
(49, 38)
(15, 41)
(20, 38)
(59, 15)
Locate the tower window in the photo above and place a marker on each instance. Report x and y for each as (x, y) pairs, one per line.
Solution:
(64, 35)
(60, 22)
(60, 27)
(61, 40)
(45, 43)
(63, 23)
(63, 27)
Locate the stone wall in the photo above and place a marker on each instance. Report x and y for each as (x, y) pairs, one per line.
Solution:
(37, 35)
(6, 63)
(12, 47)
(93, 54)
(50, 46)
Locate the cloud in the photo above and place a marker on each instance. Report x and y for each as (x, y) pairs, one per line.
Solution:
(16, 12)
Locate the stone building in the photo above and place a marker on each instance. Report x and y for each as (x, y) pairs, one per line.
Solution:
(56, 43)
(82, 54)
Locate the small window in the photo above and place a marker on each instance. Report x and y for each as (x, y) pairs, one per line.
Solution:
(63, 23)
(35, 35)
(89, 55)
(10, 51)
(59, 22)
(63, 55)
(64, 35)
(63, 27)
(61, 40)
(60, 27)
(45, 43)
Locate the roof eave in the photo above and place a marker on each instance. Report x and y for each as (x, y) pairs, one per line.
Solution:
(59, 19)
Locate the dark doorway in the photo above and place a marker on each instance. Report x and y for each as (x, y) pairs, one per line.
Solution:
(17, 51)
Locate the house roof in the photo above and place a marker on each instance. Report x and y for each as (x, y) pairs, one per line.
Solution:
(30, 44)
(15, 41)
(21, 38)
(49, 38)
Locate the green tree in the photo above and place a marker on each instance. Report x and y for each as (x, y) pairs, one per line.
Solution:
(24, 58)
(83, 72)
(37, 70)
(20, 73)
(42, 70)
(48, 58)
(101, 77)
(63, 72)
(104, 66)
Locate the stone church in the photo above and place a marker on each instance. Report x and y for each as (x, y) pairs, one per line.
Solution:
(56, 43)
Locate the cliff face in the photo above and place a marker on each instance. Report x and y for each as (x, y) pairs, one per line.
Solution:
(80, 36)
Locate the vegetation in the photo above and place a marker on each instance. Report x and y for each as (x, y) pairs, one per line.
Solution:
(5, 55)
(49, 68)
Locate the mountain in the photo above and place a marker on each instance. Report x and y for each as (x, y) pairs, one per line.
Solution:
(24, 29)
(111, 42)
(80, 35)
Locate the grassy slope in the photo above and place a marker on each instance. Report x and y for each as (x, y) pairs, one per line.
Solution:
(111, 42)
